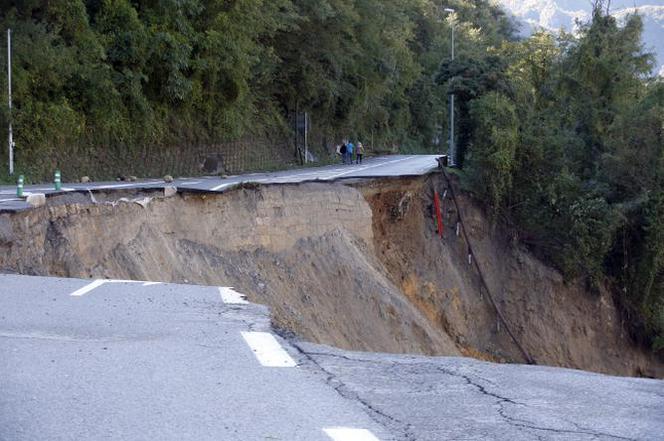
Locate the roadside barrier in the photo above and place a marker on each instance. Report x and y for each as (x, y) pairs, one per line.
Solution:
(471, 260)
(57, 180)
(19, 187)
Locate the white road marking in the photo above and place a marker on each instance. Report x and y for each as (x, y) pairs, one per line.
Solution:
(230, 296)
(349, 434)
(361, 169)
(99, 282)
(190, 183)
(267, 349)
(52, 189)
(108, 186)
(87, 288)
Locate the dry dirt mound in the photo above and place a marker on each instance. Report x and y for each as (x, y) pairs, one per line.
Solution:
(358, 267)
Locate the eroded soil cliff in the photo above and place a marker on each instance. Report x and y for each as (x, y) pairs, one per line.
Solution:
(358, 266)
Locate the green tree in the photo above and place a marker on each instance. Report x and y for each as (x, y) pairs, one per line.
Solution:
(492, 154)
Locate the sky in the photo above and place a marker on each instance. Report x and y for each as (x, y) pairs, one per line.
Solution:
(556, 14)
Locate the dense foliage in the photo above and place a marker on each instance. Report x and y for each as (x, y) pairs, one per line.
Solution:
(566, 141)
(102, 79)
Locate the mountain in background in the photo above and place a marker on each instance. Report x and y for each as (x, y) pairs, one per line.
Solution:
(556, 14)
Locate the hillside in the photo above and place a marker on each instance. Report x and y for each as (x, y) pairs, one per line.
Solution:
(115, 88)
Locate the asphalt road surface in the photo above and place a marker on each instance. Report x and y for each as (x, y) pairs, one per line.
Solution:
(132, 361)
(448, 398)
(384, 166)
(119, 360)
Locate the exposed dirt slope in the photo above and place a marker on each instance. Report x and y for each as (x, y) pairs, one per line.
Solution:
(307, 251)
(558, 323)
(356, 266)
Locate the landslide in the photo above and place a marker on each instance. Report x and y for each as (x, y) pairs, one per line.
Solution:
(357, 266)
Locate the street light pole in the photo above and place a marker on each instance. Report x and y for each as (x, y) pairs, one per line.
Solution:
(9, 86)
(452, 146)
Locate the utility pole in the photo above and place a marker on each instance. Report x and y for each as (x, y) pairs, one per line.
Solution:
(9, 86)
(452, 146)
(306, 137)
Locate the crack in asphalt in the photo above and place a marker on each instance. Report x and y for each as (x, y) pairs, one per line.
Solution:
(502, 402)
(382, 418)
(525, 424)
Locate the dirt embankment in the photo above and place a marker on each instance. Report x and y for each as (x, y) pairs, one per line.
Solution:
(557, 322)
(358, 266)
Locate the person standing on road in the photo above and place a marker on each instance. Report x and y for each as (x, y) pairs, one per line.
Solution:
(343, 149)
(349, 148)
(359, 152)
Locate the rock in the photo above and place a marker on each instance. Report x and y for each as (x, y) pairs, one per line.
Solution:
(168, 178)
(170, 191)
(36, 199)
(85, 179)
(132, 178)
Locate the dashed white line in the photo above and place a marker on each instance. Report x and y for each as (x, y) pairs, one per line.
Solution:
(349, 434)
(267, 349)
(230, 296)
(87, 288)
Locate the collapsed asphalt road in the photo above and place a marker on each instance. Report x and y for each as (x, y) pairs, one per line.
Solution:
(124, 360)
(383, 166)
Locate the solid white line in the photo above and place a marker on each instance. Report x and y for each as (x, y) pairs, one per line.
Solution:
(230, 296)
(52, 189)
(151, 283)
(361, 169)
(267, 349)
(87, 288)
(348, 434)
(105, 187)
